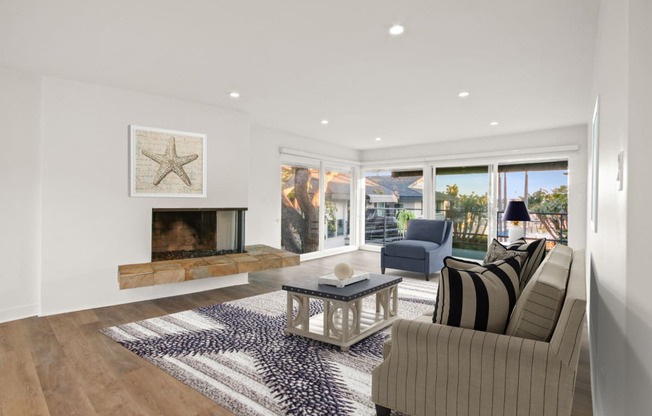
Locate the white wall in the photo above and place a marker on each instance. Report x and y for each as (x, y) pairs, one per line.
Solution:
(509, 145)
(639, 203)
(620, 309)
(607, 249)
(264, 216)
(20, 182)
(90, 225)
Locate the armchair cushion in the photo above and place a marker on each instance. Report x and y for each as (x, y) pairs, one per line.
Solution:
(531, 254)
(412, 249)
(426, 230)
(481, 298)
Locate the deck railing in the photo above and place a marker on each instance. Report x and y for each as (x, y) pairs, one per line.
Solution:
(470, 227)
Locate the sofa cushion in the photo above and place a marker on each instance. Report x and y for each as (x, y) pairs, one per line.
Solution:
(455, 263)
(426, 230)
(531, 253)
(537, 309)
(481, 300)
(413, 249)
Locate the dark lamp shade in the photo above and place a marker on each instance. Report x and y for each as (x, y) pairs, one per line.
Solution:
(516, 211)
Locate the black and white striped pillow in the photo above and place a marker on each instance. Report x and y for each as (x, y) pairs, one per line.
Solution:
(475, 299)
(531, 254)
(461, 264)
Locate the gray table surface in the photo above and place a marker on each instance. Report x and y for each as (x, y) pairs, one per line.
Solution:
(353, 291)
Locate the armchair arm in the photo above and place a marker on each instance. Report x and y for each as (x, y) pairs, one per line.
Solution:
(433, 369)
(446, 247)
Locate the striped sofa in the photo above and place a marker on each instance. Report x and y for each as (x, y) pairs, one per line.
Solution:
(431, 369)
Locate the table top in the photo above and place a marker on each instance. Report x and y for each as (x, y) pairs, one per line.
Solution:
(353, 291)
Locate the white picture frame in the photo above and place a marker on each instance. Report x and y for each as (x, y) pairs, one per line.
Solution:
(167, 163)
(595, 164)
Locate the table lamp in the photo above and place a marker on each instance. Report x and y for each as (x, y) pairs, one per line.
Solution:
(516, 212)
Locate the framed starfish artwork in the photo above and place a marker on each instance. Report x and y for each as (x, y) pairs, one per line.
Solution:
(167, 163)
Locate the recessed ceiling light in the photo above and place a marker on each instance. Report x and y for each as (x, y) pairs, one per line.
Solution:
(324, 122)
(493, 123)
(378, 139)
(234, 94)
(463, 94)
(396, 30)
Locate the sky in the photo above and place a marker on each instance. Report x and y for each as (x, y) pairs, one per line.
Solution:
(479, 182)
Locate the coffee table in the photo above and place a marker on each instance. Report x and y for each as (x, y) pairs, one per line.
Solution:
(344, 320)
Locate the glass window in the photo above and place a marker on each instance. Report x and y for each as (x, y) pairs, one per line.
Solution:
(299, 209)
(461, 195)
(392, 198)
(337, 215)
(546, 187)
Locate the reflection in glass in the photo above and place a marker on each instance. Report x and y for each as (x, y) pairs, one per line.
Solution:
(392, 197)
(337, 216)
(299, 209)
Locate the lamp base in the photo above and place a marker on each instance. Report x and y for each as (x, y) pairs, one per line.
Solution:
(515, 232)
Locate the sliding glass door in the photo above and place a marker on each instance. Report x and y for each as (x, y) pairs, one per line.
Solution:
(317, 203)
(462, 195)
(392, 198)
(337, 208)
(546, 186)
(315, 206)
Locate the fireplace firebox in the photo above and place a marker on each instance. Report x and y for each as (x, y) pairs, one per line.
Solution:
(197, 232)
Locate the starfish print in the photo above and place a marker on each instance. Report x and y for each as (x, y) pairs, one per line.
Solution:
(296, 369)
(170, 162)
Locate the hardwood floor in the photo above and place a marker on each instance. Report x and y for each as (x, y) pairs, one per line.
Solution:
(62, 365)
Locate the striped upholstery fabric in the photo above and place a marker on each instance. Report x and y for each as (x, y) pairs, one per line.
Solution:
(460, 264)
(481, 298)
(531, 253)
(539, 306)
(571, 318)
(437, 370)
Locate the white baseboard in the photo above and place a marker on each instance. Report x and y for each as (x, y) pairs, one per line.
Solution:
(328, 253)
(134, 295)
(20, 312)
(140, 294)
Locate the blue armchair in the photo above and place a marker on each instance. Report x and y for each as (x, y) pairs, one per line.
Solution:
(426, 244)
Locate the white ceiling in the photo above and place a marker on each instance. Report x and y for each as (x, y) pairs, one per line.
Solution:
(527, 63)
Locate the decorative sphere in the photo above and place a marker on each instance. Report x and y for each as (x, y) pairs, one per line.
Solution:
(343, 271)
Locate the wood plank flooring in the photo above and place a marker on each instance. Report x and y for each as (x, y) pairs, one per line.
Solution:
(62, 365)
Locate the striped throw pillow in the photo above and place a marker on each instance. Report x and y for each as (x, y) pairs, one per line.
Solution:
(455, 263)
(475, 299)
(531, 253)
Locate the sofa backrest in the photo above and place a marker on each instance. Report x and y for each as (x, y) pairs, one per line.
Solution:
(566, 339)
(427, 230)
(538, 307)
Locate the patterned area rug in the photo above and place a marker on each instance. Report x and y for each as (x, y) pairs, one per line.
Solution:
(237, 355)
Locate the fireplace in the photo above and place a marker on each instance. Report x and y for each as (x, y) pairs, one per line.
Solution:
(196, 232)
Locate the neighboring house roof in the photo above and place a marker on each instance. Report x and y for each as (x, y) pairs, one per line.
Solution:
(379, 193)
(407, 188)
(401, 187)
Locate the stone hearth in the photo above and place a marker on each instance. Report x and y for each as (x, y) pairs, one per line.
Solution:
(256, 258)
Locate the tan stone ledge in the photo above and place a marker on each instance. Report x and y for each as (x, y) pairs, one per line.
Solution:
(258, 257)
